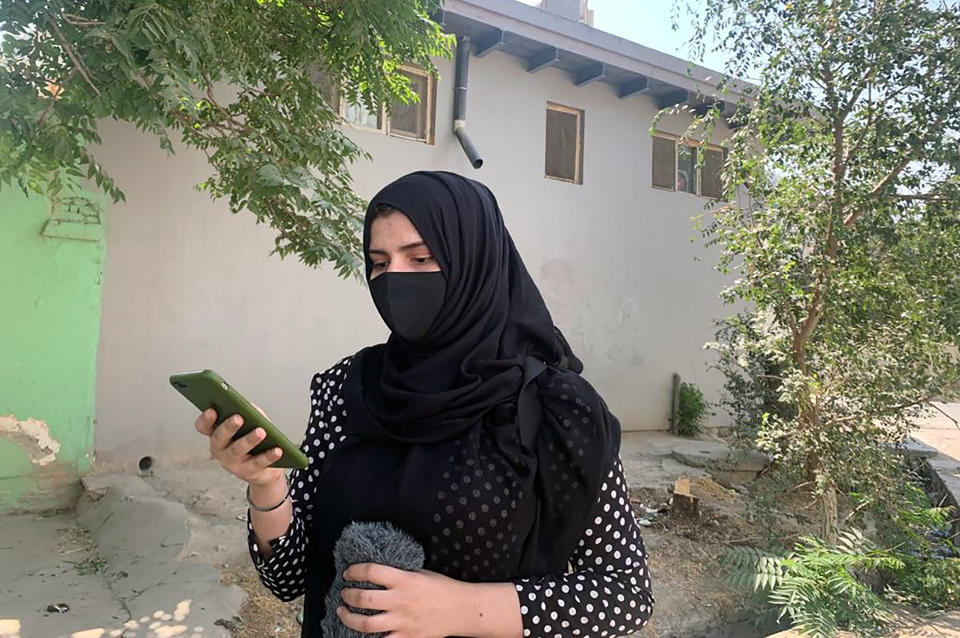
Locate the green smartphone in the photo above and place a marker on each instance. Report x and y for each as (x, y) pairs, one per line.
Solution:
(207, 389)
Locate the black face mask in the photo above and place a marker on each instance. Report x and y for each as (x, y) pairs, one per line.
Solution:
(409, 301)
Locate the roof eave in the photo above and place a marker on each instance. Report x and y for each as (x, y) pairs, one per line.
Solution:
(599, 47)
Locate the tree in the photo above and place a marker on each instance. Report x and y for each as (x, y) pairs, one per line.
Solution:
(234, 79)
(841, 224)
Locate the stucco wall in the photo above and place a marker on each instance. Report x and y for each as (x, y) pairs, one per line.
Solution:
(49, 325)
(189, 286)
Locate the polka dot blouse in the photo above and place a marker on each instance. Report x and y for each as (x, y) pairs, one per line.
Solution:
(605, 593)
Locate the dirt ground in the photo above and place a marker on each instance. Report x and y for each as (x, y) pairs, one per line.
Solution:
(262, 613)
(692, 599)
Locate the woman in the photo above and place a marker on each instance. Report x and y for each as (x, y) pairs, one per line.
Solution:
(471, 429)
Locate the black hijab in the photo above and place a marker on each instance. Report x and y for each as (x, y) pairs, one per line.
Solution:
(481, 440)
(492, 319)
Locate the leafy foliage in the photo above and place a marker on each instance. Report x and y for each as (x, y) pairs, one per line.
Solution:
(816, 585)
(691, 410)
(234, 79)
(841, 228)
(920, 534)
(751, 374)
(823, 587)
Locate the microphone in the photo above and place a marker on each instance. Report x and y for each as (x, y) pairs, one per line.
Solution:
(381, 543)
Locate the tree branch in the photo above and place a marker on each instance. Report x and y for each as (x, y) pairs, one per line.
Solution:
(829, 253)
(80, 21)
(892, 409)
(860, 138)
(894, 172)
(237, 125)
(78, 65)
(955, 422)
(928, 197)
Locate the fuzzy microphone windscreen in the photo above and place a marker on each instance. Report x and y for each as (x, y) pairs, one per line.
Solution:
(380, 543)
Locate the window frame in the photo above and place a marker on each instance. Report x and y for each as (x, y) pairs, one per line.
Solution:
(676, 160)
(429, 103)
(697, 144)
(578, 166)
(384, 113)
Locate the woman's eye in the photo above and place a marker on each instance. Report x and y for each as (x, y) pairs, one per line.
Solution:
(423, 261)
(379, 265)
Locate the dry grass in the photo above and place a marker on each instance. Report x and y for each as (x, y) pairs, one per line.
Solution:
(262, 613)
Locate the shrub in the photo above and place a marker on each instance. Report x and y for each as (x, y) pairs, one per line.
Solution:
(691, 410)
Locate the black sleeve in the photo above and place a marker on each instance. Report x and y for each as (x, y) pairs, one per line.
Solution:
(608, 593)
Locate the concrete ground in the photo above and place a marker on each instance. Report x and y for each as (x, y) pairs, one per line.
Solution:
(141, 556)
(942, 430)
(119, 565)
(648, 462)
(654, 460)
(48, 560)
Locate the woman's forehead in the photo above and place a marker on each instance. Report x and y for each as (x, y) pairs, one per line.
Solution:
(393, 231)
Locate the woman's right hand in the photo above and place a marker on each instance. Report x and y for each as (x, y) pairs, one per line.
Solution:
(235, 456)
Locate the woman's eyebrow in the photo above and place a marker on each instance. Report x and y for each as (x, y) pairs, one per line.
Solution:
(404, 248)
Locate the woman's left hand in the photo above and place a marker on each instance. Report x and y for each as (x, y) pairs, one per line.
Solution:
(420, 604)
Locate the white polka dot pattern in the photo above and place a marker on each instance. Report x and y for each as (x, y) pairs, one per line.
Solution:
(608, 594)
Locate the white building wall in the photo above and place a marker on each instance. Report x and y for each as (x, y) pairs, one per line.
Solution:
(189, 286)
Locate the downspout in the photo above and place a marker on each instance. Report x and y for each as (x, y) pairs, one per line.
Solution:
(460, 101)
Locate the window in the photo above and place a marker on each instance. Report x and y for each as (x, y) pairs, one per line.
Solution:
(710, 183)
(411, 121)
(564, 150)
(664, 162)
(676, 166)
(359, 116)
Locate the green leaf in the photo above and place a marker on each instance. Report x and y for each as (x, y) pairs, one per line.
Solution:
(274, 144)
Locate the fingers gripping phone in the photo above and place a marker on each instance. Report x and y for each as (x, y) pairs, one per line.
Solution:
(207, 389)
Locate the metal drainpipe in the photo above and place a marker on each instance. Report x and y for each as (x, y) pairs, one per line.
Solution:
(460, 101)
(675, 404)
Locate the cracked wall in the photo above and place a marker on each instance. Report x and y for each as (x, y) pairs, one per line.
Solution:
(33, 437)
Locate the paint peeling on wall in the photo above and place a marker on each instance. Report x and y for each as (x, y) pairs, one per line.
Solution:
(33, 436)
